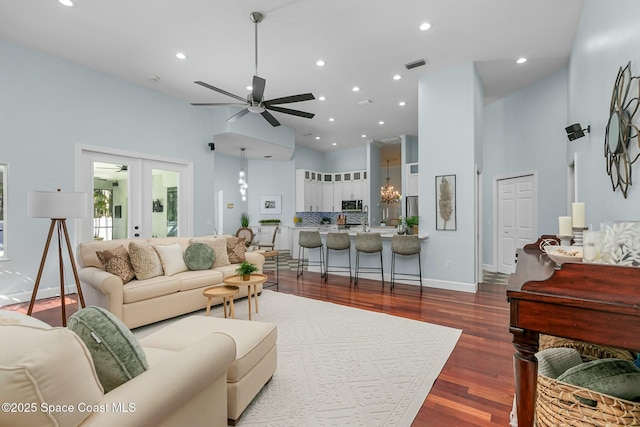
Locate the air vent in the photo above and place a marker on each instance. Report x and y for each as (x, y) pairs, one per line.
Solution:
(365, 102)
(415, 64)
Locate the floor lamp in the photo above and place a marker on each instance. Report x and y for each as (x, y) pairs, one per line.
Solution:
(57, 206)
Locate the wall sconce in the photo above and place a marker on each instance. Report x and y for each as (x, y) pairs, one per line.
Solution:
(575, 131)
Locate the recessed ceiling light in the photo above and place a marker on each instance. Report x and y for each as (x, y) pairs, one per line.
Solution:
(181, 55)
(334, 143)
(317, 137)
(320, 63)
(363, 135)
(425, 26)
(331, 119)
(402, 103)
(322, 98)
(397, 77)
(356, 89)
(249, 87)
(68, 3)
(380, 122)
(521, 60)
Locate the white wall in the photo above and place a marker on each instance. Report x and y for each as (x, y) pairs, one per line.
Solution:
(525, 133)
(447, 136)
(608, 37)
(48, 106)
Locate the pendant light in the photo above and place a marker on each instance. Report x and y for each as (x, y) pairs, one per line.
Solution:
(387, 194)
(242, 177)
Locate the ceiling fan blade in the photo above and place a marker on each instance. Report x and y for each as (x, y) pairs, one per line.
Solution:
(258, 88)
(224, 92)
(269, 117)
(290, 111)
(211, 104)
(237, 115)
(289, 99)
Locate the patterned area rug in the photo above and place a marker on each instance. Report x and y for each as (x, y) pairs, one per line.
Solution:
(343, 366)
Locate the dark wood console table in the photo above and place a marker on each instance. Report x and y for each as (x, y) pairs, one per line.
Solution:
(596, 303)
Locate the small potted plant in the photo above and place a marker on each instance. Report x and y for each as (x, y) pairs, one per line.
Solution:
(325, 220)
(245, 269)
(244, 220)
(412, 224)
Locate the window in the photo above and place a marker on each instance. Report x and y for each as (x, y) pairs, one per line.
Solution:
(102, 222)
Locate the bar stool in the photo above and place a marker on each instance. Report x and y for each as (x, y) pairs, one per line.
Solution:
(369, 243)
(337, 242)
(309, 240)
(405, 245)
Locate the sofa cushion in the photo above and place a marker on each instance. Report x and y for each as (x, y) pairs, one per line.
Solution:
(116, 353)
(199, 256)
(145, 260)
(140, 290)
(10, 317)
(236, 248)
(200, 279)
(614, 377)
(219, 246)
(116, 261)
(172, 258)
(45, 367)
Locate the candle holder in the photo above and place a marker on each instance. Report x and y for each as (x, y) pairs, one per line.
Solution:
(578, 233)
(564, 240)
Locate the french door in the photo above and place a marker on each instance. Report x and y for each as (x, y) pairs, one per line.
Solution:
(135, 197)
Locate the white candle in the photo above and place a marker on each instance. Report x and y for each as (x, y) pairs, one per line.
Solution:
(564, 226)
(577, 210)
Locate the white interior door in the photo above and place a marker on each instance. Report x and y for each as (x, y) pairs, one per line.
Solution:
(516, 218)
(134, 197)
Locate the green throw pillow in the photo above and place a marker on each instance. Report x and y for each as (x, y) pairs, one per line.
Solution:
(199, 256)
(614, 377)
(116, 353)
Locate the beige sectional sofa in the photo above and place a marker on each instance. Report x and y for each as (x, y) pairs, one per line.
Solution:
(141, 302)
(49, 375)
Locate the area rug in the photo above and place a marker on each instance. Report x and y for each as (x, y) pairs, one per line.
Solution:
(342, 366)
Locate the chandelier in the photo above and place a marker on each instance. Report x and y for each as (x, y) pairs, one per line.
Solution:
(387, 194)
(242, 177)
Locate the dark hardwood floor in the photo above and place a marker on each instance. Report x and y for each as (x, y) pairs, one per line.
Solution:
(475, 388)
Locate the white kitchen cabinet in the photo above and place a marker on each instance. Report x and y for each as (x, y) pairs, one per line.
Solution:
(327, 193)
(300, 190)
(337, 192)
(412, 179)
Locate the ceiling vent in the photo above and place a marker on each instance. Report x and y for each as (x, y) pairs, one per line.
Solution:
(365, 102)
(415, 64)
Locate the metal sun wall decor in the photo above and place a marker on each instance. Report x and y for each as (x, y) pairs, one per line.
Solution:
(619, 153)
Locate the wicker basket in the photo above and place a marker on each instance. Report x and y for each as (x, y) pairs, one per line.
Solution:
(559, 403)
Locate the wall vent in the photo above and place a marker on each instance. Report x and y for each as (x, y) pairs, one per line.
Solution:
(415, 64)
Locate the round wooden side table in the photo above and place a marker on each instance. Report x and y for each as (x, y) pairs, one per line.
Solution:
(251, 284)
(226, 292)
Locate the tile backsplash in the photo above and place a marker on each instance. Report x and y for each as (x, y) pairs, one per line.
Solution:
(311, 219)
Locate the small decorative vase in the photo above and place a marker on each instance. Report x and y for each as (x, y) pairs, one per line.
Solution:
(246, 277)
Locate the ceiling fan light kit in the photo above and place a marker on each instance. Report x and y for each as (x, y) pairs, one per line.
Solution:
(255, 102)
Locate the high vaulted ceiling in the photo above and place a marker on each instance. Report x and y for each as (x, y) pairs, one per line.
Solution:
(364, 43)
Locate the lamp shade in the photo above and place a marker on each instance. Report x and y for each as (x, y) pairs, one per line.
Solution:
(56, 204)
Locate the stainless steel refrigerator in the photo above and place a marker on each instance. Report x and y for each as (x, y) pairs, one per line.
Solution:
(412, 206)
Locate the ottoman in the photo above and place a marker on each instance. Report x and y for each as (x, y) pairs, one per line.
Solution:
(255, 360)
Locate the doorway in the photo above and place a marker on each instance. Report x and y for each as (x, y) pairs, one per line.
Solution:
(134, 196)
(516, 219)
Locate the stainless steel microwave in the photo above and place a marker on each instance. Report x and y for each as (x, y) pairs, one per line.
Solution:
(352, 205)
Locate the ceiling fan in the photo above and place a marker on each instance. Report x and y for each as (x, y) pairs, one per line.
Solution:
(254, 102)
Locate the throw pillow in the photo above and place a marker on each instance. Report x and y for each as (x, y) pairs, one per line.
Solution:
(219, 246)
(199, 256)
(615, 377)
(172, 258)
(552, 362)
(236, 249)
(45, 366)
(144, 259)
(116, 353)
(116, 261)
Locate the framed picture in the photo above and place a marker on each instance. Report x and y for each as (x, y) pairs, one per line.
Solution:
(270, 205)
(446, 202)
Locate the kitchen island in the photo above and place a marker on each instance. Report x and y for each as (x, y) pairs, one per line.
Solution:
(408, 264)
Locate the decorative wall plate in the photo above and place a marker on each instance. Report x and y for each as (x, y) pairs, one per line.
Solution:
(619, 153)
